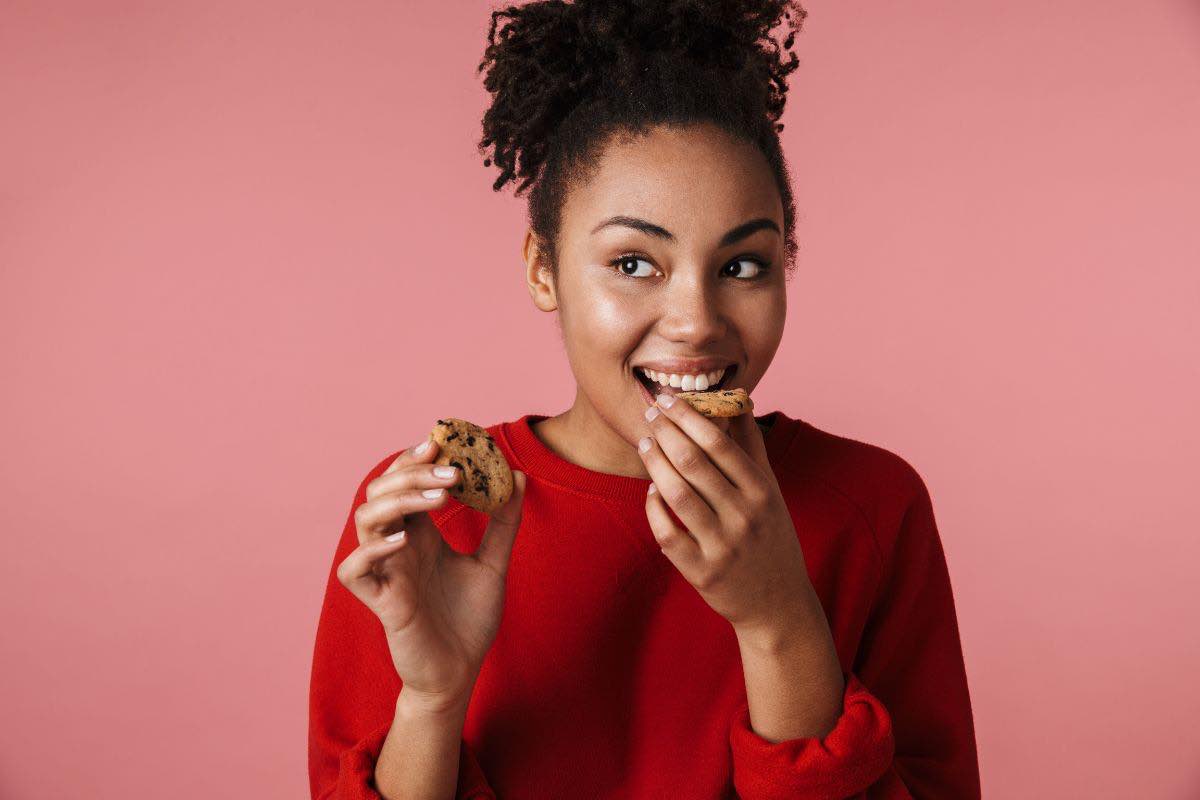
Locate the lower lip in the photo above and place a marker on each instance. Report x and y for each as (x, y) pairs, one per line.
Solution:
(645, 392)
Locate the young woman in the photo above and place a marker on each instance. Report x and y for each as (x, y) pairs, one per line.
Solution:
(668, 605)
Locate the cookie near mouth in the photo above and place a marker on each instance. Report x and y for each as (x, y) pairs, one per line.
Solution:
(654, 383)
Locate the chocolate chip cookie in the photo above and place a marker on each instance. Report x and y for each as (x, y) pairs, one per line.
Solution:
(486, 480)
(721, 403)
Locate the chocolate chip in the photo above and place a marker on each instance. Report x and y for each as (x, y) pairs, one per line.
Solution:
(470, 441)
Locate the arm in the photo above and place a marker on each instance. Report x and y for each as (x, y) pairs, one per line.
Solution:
(905, 728)
(794, 682)
(355, 697)
(420, 757)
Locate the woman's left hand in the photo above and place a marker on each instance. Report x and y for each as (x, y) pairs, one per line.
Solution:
(739, 549)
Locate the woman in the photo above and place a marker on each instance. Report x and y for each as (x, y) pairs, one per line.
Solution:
(747, 607)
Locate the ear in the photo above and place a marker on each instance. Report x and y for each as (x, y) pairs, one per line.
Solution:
(537, 273)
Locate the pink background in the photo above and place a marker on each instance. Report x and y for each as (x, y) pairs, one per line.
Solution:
(224, 228)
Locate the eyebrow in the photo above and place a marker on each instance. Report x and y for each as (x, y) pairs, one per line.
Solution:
(733, 235)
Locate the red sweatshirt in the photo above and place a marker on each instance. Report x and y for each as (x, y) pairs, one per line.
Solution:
(611, 678)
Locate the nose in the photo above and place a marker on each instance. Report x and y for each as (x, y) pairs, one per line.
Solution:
(691, 313)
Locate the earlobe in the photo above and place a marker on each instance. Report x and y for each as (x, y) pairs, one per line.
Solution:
(537, 274)
(541, 289)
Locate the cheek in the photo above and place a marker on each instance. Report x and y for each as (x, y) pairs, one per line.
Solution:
(761, 324)
(606, 323)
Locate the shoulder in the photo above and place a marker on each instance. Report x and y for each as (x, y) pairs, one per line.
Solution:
(865, 471)
(882, 487)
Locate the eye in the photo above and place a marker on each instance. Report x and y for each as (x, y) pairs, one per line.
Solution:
(621, 262)
(759, 270)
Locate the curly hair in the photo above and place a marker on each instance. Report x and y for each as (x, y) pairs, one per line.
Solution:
(565, 77)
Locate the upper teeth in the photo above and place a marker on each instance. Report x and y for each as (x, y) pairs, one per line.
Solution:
(698, 382)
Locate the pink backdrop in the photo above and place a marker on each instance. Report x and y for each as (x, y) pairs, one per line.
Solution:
(224, 228)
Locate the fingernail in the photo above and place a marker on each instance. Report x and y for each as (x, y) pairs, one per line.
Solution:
(395, 537)
(652, 412)
(651, 489)
(432, 493)
(444, 472)
(643, 444)
(422, 447)
(664, 400)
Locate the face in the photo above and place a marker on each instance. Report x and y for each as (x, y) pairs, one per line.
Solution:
(671, 252)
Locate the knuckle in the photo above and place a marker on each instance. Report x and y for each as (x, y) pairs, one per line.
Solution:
(688, 461)
(373, 488)
(739, 524)
(756, 495)
(708, 580)
(713, 441)
(678, 498)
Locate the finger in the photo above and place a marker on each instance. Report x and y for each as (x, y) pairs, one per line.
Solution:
(413, 476)
(693, 461)
(495, 550)
(732, 461)
(676, 543)
(414, 454)
(692, 509)
(359, 566)
(385, 514)
(744, 430)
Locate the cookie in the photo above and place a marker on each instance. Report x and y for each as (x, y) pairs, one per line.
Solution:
(721, 403)
(486, 481)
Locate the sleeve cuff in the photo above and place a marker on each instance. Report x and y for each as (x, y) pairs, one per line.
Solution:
(356, 778)
(856, 753)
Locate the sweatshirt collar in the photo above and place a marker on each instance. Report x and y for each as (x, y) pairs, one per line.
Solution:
(533, 457)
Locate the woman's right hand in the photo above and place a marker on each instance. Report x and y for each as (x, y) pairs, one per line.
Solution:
(440, 609)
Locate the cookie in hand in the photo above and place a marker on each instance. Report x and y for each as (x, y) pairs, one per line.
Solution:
(486, 481)
(721, 403)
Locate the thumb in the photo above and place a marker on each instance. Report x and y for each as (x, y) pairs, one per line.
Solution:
(496, 547)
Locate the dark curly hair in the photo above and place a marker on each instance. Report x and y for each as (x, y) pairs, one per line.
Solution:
(564, 77)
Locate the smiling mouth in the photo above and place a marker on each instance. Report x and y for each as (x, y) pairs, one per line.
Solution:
(663, 383)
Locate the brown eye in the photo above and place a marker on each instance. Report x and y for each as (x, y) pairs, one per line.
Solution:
(758, 269)
(628, 266)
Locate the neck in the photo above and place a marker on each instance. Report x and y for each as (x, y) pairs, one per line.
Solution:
(580, 435)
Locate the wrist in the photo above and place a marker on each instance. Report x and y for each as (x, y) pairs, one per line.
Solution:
(785, 631)
(412, 704)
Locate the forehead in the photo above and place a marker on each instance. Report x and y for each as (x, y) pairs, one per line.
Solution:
(697, 178)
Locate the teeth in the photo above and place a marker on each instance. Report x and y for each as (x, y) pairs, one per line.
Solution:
(697, 382)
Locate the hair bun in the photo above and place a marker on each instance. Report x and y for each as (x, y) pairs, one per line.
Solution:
(546, 58)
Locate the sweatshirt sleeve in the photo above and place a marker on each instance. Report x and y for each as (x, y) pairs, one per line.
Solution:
(906, 729)
(354, 688)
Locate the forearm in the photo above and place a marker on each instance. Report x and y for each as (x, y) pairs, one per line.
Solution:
(419, 759)
(794, 682)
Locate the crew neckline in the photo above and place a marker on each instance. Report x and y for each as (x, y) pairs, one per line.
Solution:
(535, 458)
